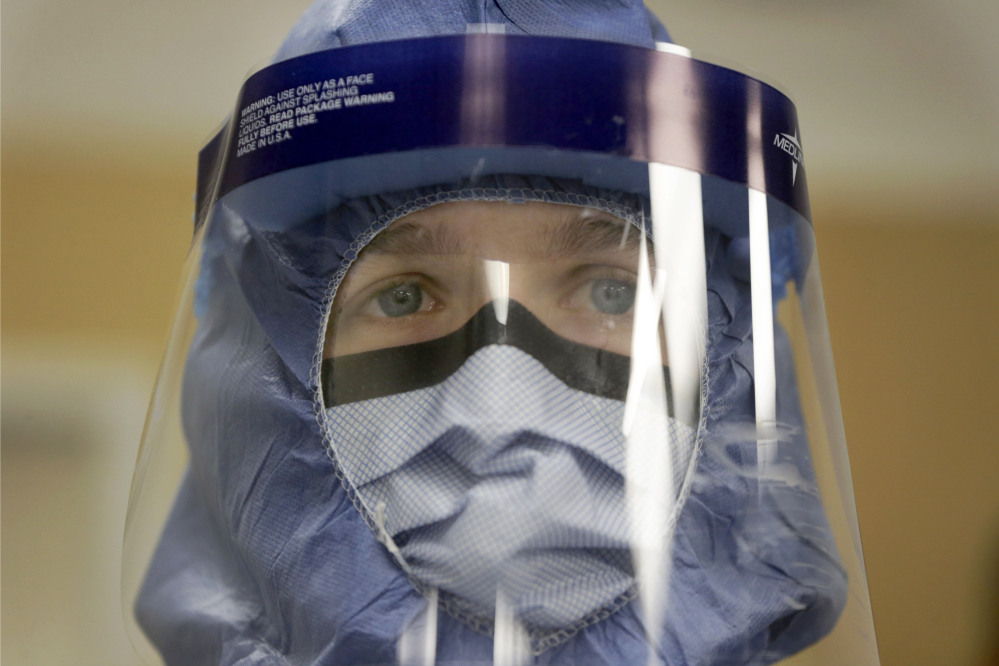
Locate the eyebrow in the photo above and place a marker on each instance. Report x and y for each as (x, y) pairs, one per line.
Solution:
(407, 238)
(585, 232)
(589, 232)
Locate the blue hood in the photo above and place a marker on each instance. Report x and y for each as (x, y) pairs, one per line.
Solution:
(332, 23)
(265, 558)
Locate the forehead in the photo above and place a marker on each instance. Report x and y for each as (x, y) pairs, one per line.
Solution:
(505, 231)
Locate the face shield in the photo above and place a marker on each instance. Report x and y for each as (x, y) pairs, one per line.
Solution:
(481, 361)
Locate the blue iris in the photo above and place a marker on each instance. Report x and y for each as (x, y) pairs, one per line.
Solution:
(401, 300)
(612, 296)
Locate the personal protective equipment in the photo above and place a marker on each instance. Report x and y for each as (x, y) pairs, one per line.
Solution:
(499, 348)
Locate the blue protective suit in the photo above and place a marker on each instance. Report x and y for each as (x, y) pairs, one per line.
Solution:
(265, 558)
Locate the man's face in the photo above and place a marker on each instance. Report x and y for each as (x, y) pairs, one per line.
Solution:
(475, 376)
(573, 268)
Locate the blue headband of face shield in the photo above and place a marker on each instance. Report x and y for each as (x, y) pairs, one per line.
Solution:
(295, 539)
(583, 124)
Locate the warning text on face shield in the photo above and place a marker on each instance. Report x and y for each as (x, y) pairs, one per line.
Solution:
(272, 119)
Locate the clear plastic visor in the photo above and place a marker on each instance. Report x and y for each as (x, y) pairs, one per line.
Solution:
(561, 407)
(548, 415)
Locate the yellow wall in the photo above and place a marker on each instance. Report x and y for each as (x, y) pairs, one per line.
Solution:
(92, 246)
(913, 312)
(92, 249)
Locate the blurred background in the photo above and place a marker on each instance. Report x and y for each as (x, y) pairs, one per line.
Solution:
(105, 103)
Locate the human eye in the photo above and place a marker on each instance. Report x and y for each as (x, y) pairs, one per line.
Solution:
(594, 306)
(612, 296)
(601, 291)
(400, 300)
(399, 297)
(385, 312)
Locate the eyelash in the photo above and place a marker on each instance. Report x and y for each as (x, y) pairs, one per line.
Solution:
(590, 272)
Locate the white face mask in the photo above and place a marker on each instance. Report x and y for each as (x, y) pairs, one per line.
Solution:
(500, 479)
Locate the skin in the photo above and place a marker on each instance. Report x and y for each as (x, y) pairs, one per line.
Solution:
(425, 276)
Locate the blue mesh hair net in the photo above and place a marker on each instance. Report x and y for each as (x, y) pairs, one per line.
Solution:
(266, 559)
